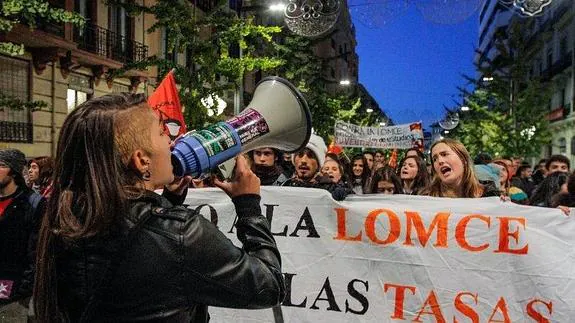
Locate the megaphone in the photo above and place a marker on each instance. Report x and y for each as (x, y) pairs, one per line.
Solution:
(277, 117)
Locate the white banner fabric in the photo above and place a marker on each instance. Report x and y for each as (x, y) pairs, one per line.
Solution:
(409, 258)
(403, 136)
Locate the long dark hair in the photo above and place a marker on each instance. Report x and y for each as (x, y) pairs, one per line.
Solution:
(550, 186)
(45, 167)
(386, 173)
(92, 182)
(421, 179)
(365, 173)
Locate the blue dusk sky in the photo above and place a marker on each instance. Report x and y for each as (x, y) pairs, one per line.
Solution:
(412, 66)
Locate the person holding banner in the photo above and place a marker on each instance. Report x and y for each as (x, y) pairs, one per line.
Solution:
(113, 250)
(413, 174)
(385, 181)
(308, 162)
(453, 173)
(360, 174)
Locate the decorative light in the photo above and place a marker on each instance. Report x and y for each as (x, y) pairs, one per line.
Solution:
(383, 124)
(450, 121)
(369, 110)
(312, 18)
(487, 78)
(527, 8)
(464, 108)
(344, 82)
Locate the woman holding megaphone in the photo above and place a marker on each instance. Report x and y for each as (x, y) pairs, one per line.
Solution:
(111, 249)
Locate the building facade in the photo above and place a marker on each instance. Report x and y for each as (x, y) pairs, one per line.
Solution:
(550, 47)
(65, 65)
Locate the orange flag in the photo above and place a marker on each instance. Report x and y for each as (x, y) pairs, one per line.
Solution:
(166, 101)
(393, 159)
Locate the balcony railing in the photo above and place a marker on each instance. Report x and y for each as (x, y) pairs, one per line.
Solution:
(15, 131)
(109, 44)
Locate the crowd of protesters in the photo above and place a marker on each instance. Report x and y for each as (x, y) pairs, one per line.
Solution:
(448, 171)
(26, 199)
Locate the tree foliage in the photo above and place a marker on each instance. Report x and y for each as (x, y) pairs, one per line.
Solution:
(30, 12)
(508, 113)
(207, 39)
(304, 69)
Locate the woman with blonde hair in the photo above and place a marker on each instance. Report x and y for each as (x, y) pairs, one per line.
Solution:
(113, 250)
(453, 174)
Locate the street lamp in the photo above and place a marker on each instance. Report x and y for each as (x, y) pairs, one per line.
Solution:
(277, 7)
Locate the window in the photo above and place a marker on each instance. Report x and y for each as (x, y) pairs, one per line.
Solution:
(562, 143)
(169, 55)
(79, 91)
(121, 29)
(15, 124)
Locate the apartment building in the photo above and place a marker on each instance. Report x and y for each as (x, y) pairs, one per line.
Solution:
(550, 45)
(65, 65)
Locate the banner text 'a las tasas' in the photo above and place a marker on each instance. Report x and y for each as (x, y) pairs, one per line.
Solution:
(409, 258)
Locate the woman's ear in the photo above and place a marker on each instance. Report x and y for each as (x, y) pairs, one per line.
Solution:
(140, 161)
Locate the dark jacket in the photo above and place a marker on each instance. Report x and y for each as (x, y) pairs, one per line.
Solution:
(174, 266)
(18, 236)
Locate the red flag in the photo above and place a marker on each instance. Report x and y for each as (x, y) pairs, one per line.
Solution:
(334, 149)
(393, 159)
(166, 101)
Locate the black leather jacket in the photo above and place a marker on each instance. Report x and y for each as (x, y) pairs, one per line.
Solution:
(176, 265)
(19, 226)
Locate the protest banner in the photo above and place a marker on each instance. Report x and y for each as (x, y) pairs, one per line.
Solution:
(394, 258)
(403, 136)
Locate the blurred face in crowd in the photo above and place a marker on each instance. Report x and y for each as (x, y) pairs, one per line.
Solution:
(357, 167)
(369, 158)
(557, 166)
(541, 166)
(526, 173)
(331, 169)
(379, 158)
(33, 172)
(306, 165)
(5, 176)
(447, 164)
(385, 187)
(264, 157)
(408, 169)
(502, 174)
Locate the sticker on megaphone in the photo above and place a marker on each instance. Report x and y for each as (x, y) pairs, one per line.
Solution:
(198, 152)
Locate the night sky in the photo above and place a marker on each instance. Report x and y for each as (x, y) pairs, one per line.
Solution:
(412, 66)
